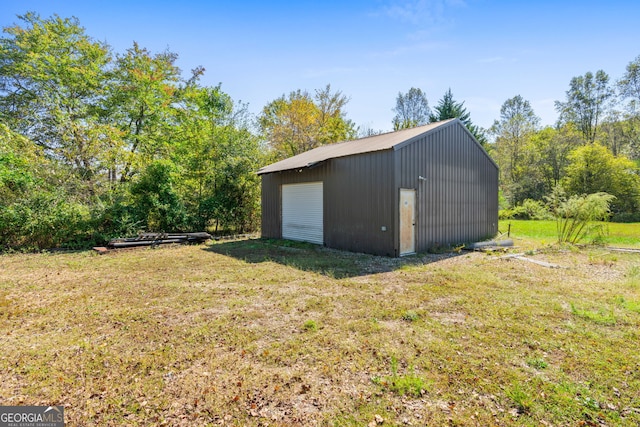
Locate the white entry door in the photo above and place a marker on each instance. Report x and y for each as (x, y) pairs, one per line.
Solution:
(407, 221)
(302, 212)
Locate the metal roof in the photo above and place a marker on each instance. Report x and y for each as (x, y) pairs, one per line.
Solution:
(381, 142)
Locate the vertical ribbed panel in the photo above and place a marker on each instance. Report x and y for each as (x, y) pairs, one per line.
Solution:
(270, 206)
(457, 201)
(361, 203)
(302, 212)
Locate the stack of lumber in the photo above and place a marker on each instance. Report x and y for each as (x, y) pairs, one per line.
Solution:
(155, 239)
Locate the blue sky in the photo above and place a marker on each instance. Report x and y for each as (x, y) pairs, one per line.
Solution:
(485, 51)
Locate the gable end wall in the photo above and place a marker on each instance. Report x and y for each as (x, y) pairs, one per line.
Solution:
(457, 202)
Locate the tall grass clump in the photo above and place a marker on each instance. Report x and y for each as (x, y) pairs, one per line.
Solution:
(579, 217)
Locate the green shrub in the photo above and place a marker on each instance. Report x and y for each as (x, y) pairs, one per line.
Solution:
(577, 216)
(593, 169)
(535, 209)
(155, 200)
(529, 209)
(45, 220)
(114, 216)
(505, 214)
(626, 217)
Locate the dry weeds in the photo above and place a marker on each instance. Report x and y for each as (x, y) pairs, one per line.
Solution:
(220, 335)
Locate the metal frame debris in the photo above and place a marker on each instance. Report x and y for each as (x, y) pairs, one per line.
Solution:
(153, 240)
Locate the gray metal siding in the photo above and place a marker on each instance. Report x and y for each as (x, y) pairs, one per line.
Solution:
(272, 196)
(358, 201)
(271, 220)
(457, 202)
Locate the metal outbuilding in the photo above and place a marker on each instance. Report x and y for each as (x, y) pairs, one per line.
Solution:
(392, 194)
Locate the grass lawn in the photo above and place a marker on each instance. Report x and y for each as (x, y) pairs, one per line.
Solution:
(544, 232)
(260, 332)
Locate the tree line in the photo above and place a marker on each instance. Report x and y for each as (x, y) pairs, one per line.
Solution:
(412, 109)
(96, 144)
(593, 148)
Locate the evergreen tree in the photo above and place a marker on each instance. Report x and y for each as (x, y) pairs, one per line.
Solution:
(448, 108)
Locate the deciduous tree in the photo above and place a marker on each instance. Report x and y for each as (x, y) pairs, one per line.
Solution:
(175, 154)
(51, 78)
(412, 109)
(217, 157)
(37, 208)
(629, 85)
(155, 199)
(142, 91)
(592, 169)
(586, 103)
(517, 124)
(298, 122)
(332, 121)
(290, 124)
(626, 127)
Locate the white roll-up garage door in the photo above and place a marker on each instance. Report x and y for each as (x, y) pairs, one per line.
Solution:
(302, 212)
